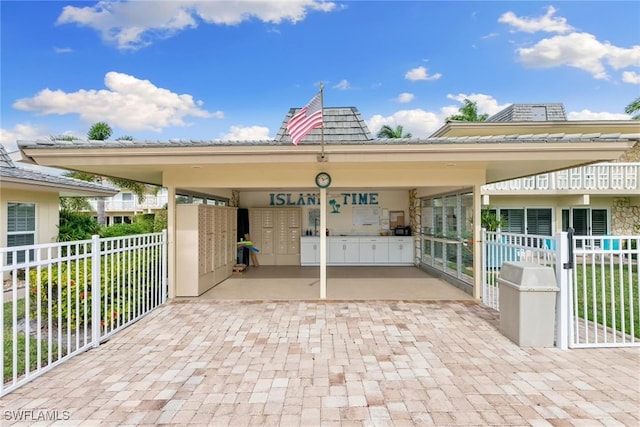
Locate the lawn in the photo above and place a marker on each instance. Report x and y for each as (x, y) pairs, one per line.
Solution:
(610, 296)
(21, 343)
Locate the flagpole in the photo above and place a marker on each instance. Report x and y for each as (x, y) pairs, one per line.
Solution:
(323, 210)
(322, 158)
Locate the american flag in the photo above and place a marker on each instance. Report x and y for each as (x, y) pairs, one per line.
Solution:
(305, 120)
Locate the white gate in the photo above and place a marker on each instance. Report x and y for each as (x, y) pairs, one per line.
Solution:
(599, 300)
(604, 294)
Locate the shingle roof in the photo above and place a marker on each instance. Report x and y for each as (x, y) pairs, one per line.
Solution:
(524, 113)
(341, 125)
(5, 159)
(516, 138)
(9, 171)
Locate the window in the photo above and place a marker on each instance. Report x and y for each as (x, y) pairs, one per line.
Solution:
(586, 221)
(539, 221)
(513, 220)
(21, 227)
(539, 114)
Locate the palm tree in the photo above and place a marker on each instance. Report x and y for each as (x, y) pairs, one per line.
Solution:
(468, 113)
(99, 132)
(389, 132)
(634, 107)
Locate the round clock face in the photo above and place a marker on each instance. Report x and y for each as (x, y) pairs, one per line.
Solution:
(323, 180)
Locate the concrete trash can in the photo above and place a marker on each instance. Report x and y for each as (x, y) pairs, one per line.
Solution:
(528, 303)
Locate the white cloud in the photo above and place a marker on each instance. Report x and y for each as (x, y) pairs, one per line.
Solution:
(619, 57)
(486, 103)
(133, 24)
(592, 115)
(418, 122)
(631, 77)
(405, 97)
(62, 50)
(579, 50)
(248, 133)
(421, 123)
(420, 73)
(343, 85)
(547, 23)
(8, 137)
(128, 103)
(573, 49)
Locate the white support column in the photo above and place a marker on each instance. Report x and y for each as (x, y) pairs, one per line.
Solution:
(323, 243)
(171, 238)
(477, 241)
(563, 277)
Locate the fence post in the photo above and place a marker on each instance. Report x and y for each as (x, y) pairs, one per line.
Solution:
(563, 277)
(95, 290)
(164, 280)
(483, 258)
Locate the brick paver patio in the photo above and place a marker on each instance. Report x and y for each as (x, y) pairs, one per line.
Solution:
(300, 363)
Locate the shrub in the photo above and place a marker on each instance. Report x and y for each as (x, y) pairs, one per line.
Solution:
(71, 297)
(146, 219)
(118, 230)
(76, 226)
(160, 221)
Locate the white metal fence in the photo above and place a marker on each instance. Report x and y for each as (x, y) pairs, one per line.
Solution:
(605, 292)
(599, 299)
(61, 299)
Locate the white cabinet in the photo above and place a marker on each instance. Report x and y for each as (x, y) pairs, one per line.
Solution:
(343, 250)
(374, 250)
(310, 251)
(206, 249)
(401, 250)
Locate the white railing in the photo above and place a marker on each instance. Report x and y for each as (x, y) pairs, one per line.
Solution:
(501, 247)
(133, 205)
(599, 299)
(60, 299)
(599, 177)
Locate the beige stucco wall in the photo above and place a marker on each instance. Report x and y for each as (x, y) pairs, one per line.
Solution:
(337, 223)
(625, 211)
(47, 213)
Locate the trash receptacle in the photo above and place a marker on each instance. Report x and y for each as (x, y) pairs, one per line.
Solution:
(528, 303)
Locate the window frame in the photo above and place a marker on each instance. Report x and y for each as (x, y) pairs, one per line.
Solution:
(32, 233)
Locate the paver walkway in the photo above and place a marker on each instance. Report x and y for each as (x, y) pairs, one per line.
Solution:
(310, 363)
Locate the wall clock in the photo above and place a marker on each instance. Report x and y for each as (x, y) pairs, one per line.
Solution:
(323, 180)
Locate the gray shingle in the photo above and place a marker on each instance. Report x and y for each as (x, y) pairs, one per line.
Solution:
(524, 113)
(341, 125)
(9, 170)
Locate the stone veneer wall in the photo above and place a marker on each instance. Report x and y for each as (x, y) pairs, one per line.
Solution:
(625, 218)
(631, 155)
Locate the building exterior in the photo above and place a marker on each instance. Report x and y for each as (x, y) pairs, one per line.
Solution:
(341, 182)
(124, 206)
(596, 199)
(30, 202)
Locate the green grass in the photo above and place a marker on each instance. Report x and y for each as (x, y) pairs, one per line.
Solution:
(601, 289)
(21, 343)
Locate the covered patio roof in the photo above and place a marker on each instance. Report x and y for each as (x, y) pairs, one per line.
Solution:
(388, 163)
(448, 160)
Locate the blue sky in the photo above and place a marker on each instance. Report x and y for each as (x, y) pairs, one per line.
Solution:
(231, 70)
